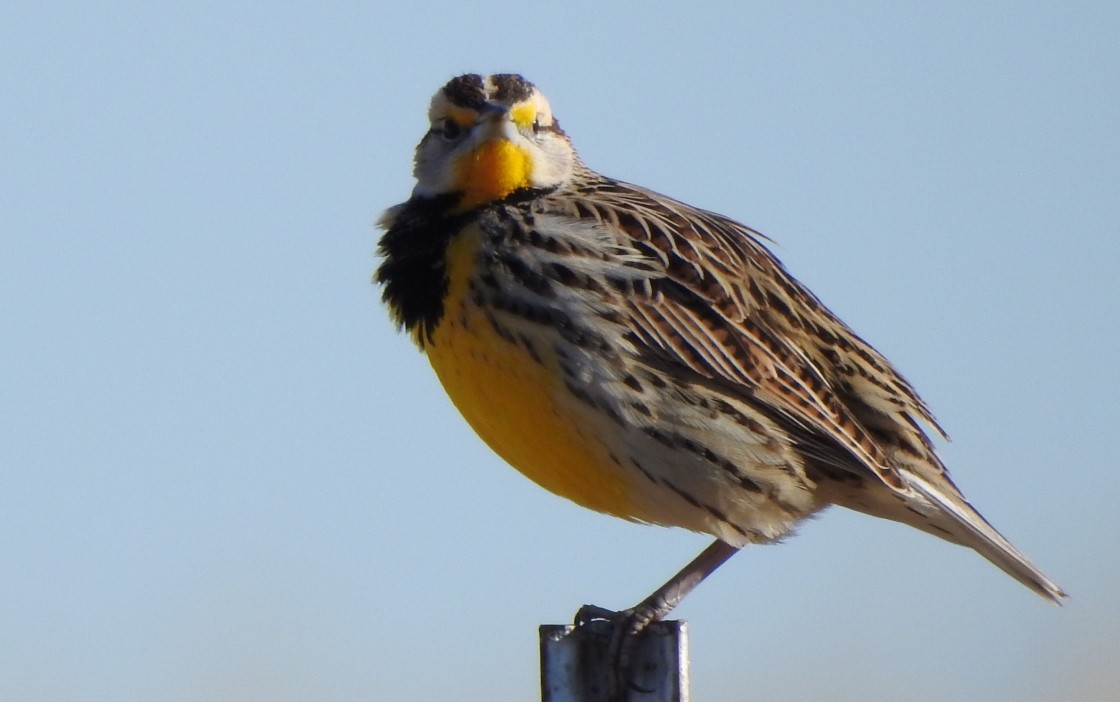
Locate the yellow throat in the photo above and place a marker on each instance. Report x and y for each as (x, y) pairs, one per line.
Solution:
(491, 172)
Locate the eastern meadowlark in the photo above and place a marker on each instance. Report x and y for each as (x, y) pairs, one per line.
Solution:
(646, 358)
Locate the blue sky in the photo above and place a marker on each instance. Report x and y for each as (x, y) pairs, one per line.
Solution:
(224, 476)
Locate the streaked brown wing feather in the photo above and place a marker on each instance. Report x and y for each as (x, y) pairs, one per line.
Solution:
(728, 311)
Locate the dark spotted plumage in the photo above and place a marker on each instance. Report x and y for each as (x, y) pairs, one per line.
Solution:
(697, 383)
(466, 91)
(412, 273)
(470, 90)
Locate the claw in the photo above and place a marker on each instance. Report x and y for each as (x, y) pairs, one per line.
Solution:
(593, 613)
(627, 626)
(622, 631)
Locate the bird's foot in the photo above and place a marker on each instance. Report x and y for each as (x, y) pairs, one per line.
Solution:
(623, 631)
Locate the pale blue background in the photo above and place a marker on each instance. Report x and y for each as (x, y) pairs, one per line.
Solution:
(223, 476)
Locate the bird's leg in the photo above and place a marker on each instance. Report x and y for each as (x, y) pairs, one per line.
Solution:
(631, 622)
(665, 598)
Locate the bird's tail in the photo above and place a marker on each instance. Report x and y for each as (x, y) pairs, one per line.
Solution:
(967, 527)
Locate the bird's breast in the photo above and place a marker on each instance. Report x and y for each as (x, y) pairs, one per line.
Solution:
(510, 390)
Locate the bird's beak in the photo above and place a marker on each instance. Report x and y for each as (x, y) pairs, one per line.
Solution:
(497, 165)
(496, 123)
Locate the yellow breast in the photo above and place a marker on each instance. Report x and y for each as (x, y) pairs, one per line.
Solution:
(518, 404)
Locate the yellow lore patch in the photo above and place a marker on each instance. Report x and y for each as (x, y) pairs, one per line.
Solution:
(491, 172)
(524, 115)
(518, 404)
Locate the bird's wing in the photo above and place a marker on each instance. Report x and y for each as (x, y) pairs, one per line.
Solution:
(725, 309)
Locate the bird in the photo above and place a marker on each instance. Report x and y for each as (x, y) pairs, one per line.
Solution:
(645, 358)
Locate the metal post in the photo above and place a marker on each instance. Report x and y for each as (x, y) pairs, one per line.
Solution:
(575, 666)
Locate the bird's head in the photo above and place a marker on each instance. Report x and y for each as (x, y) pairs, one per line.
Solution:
(490, 136)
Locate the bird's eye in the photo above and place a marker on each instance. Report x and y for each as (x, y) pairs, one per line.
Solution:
(537, 126)
(449, 129)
